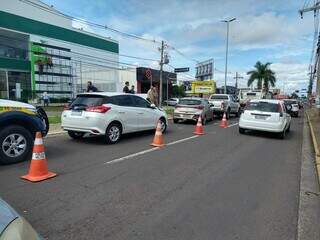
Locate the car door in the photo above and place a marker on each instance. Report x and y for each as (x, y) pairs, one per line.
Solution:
(147, 115)
(207, 109)
(127, 112)
(233, 104)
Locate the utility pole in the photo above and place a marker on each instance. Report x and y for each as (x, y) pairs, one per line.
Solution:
(163, 60)
(227, 49)
(315, 8)
(236, 78)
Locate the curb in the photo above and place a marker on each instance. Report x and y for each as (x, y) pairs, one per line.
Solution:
(56, 133)
(309, 204)
(315, 146)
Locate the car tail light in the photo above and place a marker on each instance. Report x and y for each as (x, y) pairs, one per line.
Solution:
(66, 106)
(98, 109)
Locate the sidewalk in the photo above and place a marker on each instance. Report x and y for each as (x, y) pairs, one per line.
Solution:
(55, 129)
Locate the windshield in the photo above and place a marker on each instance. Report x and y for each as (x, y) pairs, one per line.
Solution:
(287, 102)
(88, 101)
(189, 102)
(263, 106)
(219, 97)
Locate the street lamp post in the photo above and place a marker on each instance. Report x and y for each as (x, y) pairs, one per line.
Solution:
(227, 49)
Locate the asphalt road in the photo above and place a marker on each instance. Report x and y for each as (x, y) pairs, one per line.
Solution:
(218, 186)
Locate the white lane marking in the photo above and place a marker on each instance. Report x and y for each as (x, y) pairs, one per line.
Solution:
(182, 140)
(132, 155)
(232, 125)
(148, 151)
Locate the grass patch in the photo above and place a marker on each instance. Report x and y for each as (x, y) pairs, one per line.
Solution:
(54, 119)
(169, 110)
(53, 109)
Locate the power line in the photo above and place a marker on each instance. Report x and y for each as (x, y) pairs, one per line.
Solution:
(182, 54)
(97, 25)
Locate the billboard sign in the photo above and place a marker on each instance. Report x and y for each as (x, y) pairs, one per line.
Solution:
(205, 87)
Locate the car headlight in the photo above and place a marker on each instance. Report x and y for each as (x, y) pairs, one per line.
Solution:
(19, 229)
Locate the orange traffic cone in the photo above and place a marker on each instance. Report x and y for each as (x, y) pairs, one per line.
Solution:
(38, 170)
(199, 127)
(224, 123)
(158, 139)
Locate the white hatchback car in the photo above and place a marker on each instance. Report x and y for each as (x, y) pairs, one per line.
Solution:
(110, 115)
(265, 115)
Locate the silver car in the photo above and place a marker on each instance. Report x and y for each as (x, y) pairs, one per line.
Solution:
(191, 109)
(13, 226)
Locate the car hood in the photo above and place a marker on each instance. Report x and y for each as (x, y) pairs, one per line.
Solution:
(7, 215)
(9, 103)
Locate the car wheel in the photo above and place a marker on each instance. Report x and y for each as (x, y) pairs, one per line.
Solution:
(204, 120)
(288, 129)
(282, 135)
(238, 113)
(175, 120)
(16, 144)
(228, 113)
(42, 114)
(75, 135)
(163, 124)
(113, 133)
(242, 130)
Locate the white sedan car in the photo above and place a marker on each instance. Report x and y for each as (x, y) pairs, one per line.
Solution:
(265, 115)
(110, 115)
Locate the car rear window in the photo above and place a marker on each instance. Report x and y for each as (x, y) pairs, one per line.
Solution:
(90, 100)
(251, 94)
(290, 102)
(219, 97)
(189, 102)
(263, 106)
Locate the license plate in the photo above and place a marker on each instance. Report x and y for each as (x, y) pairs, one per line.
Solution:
(260, 117)
(76, 113)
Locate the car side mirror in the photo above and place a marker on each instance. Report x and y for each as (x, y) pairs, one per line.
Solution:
(153, 106)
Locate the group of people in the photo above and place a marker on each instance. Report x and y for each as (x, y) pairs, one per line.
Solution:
(127, 90)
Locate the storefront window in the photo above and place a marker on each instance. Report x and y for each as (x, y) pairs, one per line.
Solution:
(19, 86)
(3, 85)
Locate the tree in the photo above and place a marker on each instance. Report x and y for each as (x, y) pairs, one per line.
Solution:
(263, 75)
(178, 91)
(294, 95)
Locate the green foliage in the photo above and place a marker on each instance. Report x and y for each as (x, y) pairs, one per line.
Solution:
(263, 75)
(178, 91)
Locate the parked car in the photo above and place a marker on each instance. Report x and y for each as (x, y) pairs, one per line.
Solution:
(13, 226)
(265, 115)
(18, 124)
(292, 107)
(191, 109)
(110, 115)
(224, 103)
(172, 101)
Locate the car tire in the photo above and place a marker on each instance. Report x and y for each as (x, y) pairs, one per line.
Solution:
(175, 120)
(238, 113)
(113, 133)
(282, 134)
(42, 114)
(288, 129)
(16, 131)
(228, 113)
(204, 120)
(242, 130)
(75, 135)
(163, 125)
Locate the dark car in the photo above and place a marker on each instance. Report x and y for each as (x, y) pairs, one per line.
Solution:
(18, 124)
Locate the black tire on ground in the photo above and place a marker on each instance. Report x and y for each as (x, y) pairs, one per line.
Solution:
(175, 120)
(288, 129)
(164, 124)
(228, 113)
(113, 133)
(238, 113)
(42, 114)
(282, 134)
(75, 135)
(17, 131)
(242, 130)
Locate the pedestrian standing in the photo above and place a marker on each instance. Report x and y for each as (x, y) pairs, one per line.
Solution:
(91, 88)
(45, 99)
(132, 91)
(152, 95)
(126, 88)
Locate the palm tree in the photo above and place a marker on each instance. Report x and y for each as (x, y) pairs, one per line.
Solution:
(263, 75)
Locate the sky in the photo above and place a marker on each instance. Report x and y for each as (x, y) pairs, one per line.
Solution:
(264, 30)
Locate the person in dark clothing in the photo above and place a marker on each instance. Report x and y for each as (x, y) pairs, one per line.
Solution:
(126, 88)
(91, 88)
(132, 91)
